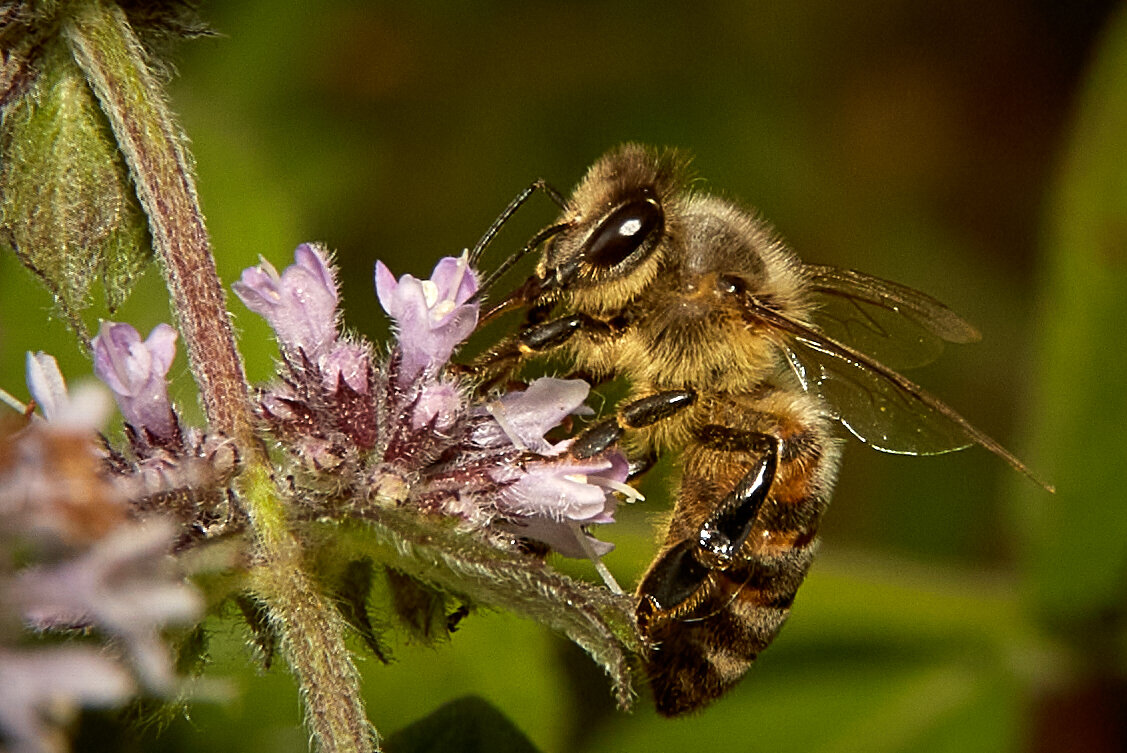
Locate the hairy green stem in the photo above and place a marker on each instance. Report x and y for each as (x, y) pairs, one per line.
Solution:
(310, 628)
(312, 636)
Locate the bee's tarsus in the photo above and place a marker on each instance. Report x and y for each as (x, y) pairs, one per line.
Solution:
(639, 466)
(596, 439)
(551, 334)
(673, 579)
(638, 414)
(649, 410)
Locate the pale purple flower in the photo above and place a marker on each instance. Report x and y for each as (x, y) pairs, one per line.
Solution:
(280, 403)
(564, 488)
(87, 408)
(120, 587)
(553, 500)
(135, 371)
(46, 384)
(346, 360)
(439, 404)
(523, 418)
(561, 537)
(550, 499)
(42, 689)
(431, 316)
(300, 304)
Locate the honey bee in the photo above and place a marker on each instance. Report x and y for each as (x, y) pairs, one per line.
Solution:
(742, 358)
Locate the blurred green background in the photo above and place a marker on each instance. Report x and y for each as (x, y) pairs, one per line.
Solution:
(974, 150)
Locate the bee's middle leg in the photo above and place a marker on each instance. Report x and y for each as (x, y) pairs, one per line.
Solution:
(637, 414)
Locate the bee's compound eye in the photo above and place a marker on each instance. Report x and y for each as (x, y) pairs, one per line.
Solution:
(624, 231)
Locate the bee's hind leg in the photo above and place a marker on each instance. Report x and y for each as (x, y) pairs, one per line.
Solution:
(678, 579)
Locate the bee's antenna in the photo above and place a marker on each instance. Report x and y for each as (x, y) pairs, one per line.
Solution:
(537, 185)
(504, 267)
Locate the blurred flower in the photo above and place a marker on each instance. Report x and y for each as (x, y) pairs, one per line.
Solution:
(88, 408)
(46, 384)
(300, 304)
(73, 559)
(135, 372)
(42, 689)
(432, 316)
(53, 488)
(118, 586)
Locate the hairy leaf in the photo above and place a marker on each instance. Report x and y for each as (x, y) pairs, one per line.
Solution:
(433, 552)
(68, 207)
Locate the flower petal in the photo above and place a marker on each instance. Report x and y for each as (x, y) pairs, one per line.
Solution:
(135, 371)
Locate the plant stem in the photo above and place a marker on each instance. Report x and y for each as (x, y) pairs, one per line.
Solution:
(113, 60)
(311, 632)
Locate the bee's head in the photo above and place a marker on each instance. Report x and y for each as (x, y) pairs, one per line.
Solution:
(614, 230)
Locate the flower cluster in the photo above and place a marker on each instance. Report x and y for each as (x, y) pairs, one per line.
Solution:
(323, 411)
(301, 307)
(384, 440)
(90, 568)
(171, 469)
(408, 432)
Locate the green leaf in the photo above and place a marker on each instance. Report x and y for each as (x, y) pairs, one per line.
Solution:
(1076, 541)
(354, 588)
(448, 562)
(466, 725)
(419, 607)
(264, 636)
(68, 207)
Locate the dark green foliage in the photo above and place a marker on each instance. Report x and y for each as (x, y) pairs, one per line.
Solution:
(466, 725)
(1078, 539)
(419, 607)
(264, 637)
(353, 593)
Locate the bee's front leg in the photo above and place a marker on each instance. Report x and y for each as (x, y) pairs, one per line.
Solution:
(499, 362)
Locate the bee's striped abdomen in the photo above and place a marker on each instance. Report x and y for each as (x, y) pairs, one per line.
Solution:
(706, 642)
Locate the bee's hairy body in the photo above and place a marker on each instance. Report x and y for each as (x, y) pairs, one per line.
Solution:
(715, 324)
(673, 323)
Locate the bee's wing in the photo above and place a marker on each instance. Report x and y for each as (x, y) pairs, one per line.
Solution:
(880, 406)
(897, 325)
(875, 403)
